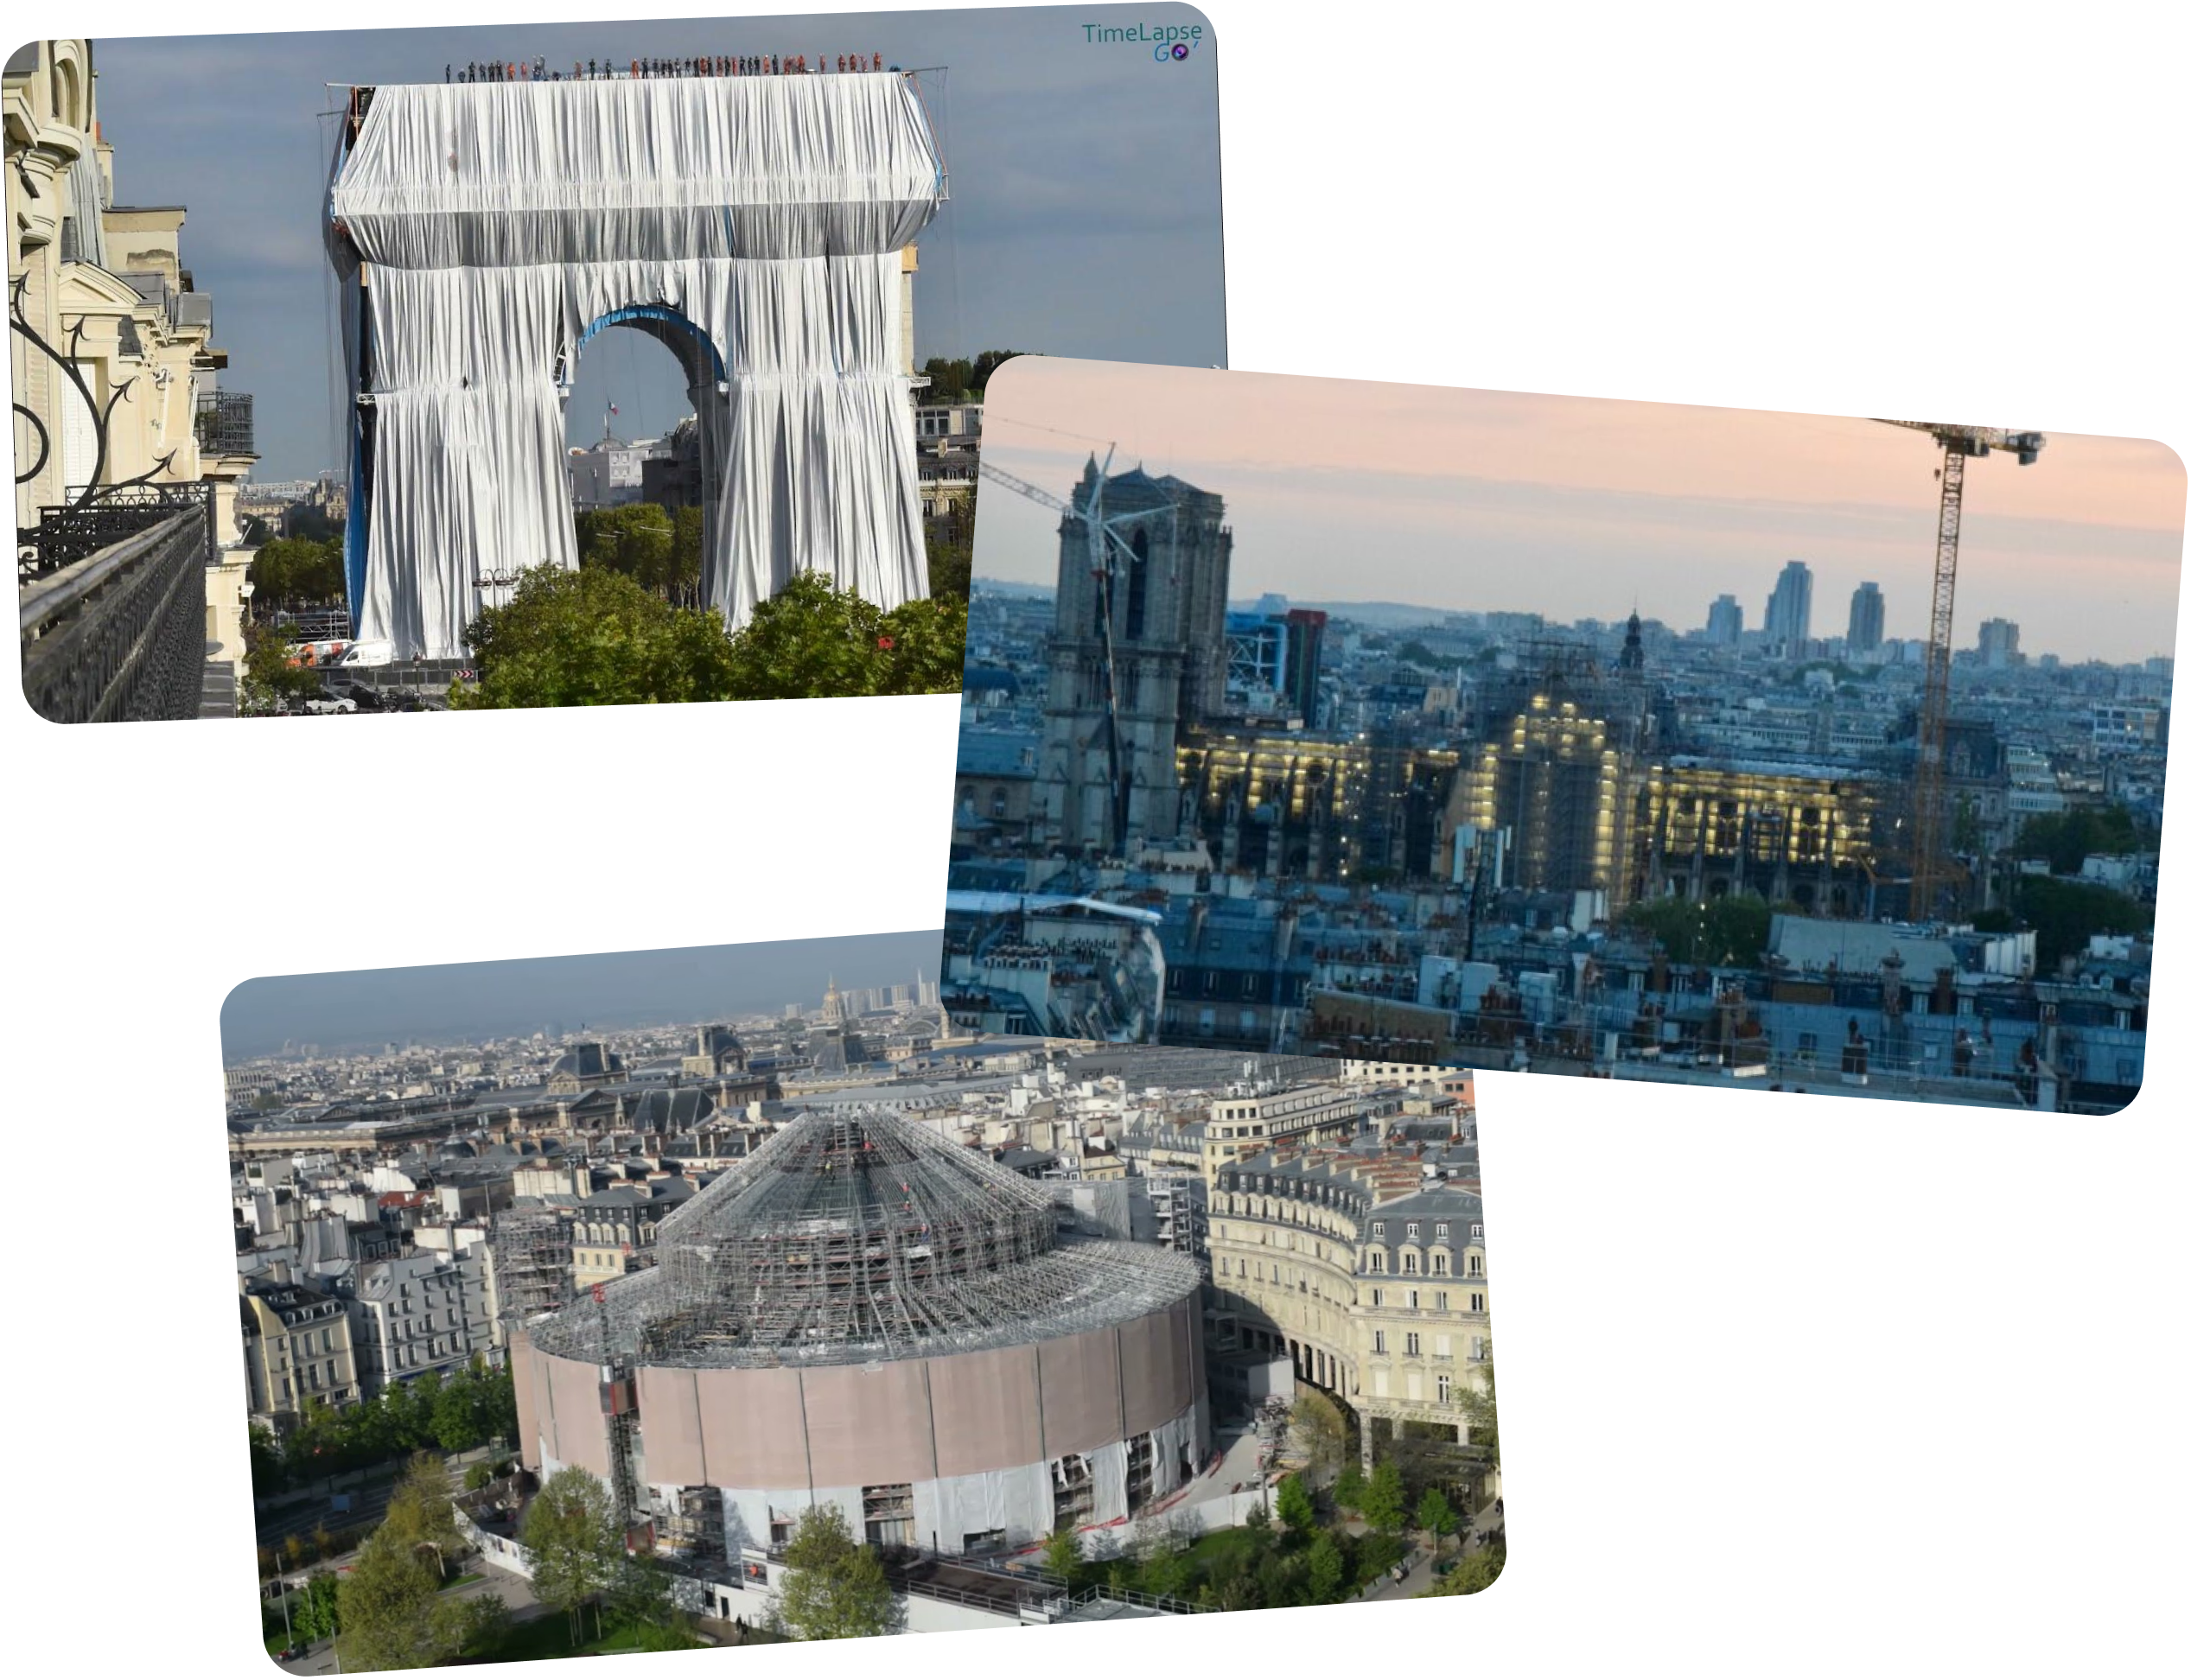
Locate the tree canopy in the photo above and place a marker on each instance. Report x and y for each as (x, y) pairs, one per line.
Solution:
(595, 637)
(569, 1530)
(2066, 838)
(1471, 1574)
(834, 1587)
(385, 1607)
(1296, 1508)
(2066, 914)
(657, 548)
(955, 380)
(1730, 931)
(297, 571)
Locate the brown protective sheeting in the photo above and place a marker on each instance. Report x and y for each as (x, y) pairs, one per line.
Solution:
(524, 1372)
(1080, 1392)
(1157, 1363)
(988, 1410)
(581, 1432)
(866, 1426)
(669, 1410)
(753, 1428)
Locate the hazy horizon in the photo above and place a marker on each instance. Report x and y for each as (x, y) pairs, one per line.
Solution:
(449, 1001)
(1462, 500)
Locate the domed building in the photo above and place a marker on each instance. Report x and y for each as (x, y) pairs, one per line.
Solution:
(866, 1314)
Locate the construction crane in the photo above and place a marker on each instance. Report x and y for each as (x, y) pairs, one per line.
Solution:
(1106, 535)
(1929, 871)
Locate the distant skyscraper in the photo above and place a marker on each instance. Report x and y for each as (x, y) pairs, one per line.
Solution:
(1867, 619)
(1723, 628)
(1787, 614)
(1997, 639)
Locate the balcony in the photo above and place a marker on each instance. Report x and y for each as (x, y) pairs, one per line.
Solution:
(224, 424)
(113, 608)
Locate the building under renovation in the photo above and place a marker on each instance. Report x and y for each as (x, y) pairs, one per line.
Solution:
(865, 1314)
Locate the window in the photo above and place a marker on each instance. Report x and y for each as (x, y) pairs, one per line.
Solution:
(1475, 1265)
(1376, 1260)
(1438, 1262)
(1376, 1297)
(1407, 1262)
(1445, 1390)
(1475, 1303)
(1441, 1300)
(1414, 1344)
(1377, 1341)
(1414, 1300)
(1443, 1230)
(1414, 1231)
(1377, 1228)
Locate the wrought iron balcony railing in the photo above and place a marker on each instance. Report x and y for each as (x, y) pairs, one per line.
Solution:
(119, 634)
(224, 423)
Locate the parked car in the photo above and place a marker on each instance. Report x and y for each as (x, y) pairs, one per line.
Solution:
(321, 705)
(363, 697)
(375, 652)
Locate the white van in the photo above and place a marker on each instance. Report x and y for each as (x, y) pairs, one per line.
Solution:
(369, 653)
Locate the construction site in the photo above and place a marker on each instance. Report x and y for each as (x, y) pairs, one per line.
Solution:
(863, 1314)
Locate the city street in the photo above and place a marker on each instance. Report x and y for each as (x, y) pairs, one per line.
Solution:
(302, 1510)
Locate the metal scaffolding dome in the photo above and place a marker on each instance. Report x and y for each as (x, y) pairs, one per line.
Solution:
(857, 1235)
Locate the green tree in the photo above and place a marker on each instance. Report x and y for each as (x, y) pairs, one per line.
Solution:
(1377, 1554)
(813, 639)
(420, 1512)
(1317, 1429)
(1435, 1513)
(1325, 1568)
(297, 571)
(570, 1529)
(2066, 914)
(1479, 1404)
(1296, 1508)
(1471, 1573)
(950, 540)
(384, 1608)
(458, 1423)
(314, 1612)
(269, 676)
(955, 380)
(469, 1627)
(834, 1587)
(2066, 838)
(646, 542)
(1061, 1555)
(1731, 931)
(268, 1474)
(1348, 1489)
(640, 1592)
(592, 637)
(1385, 1502)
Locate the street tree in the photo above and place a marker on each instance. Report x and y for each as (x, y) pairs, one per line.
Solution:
(1471, 1573)
(458, 1423)
(834, 1587)
(1061, 1555)
(385, 1607)
(1319, 1431)
(420, 1511)
(1326, 1568)
(1479, 1408)
(1385, 1501)
(1296, 1507)
(813, 639)
(268, 1474)
(1435, 1513)
(570, 1529)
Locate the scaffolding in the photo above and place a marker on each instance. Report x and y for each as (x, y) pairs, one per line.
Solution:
(856, 1235)
(531, 1248)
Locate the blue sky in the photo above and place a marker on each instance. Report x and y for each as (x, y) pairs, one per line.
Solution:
(1083, 218)
(368, 1007)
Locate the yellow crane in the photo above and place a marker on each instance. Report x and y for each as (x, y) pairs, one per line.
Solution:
(1929, 870)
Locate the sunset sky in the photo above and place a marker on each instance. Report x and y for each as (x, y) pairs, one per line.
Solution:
(1340, 490)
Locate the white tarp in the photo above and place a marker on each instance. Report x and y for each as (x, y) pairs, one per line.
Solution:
(758, 219)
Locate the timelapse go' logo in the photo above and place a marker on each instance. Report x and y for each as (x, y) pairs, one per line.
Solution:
(1170, 44)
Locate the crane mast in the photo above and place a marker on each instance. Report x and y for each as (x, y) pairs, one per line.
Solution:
(1930, 870)
(1102, 535)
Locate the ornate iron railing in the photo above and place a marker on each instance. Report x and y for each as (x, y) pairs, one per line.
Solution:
(120, 635)
(225, 424)
(77, 530)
